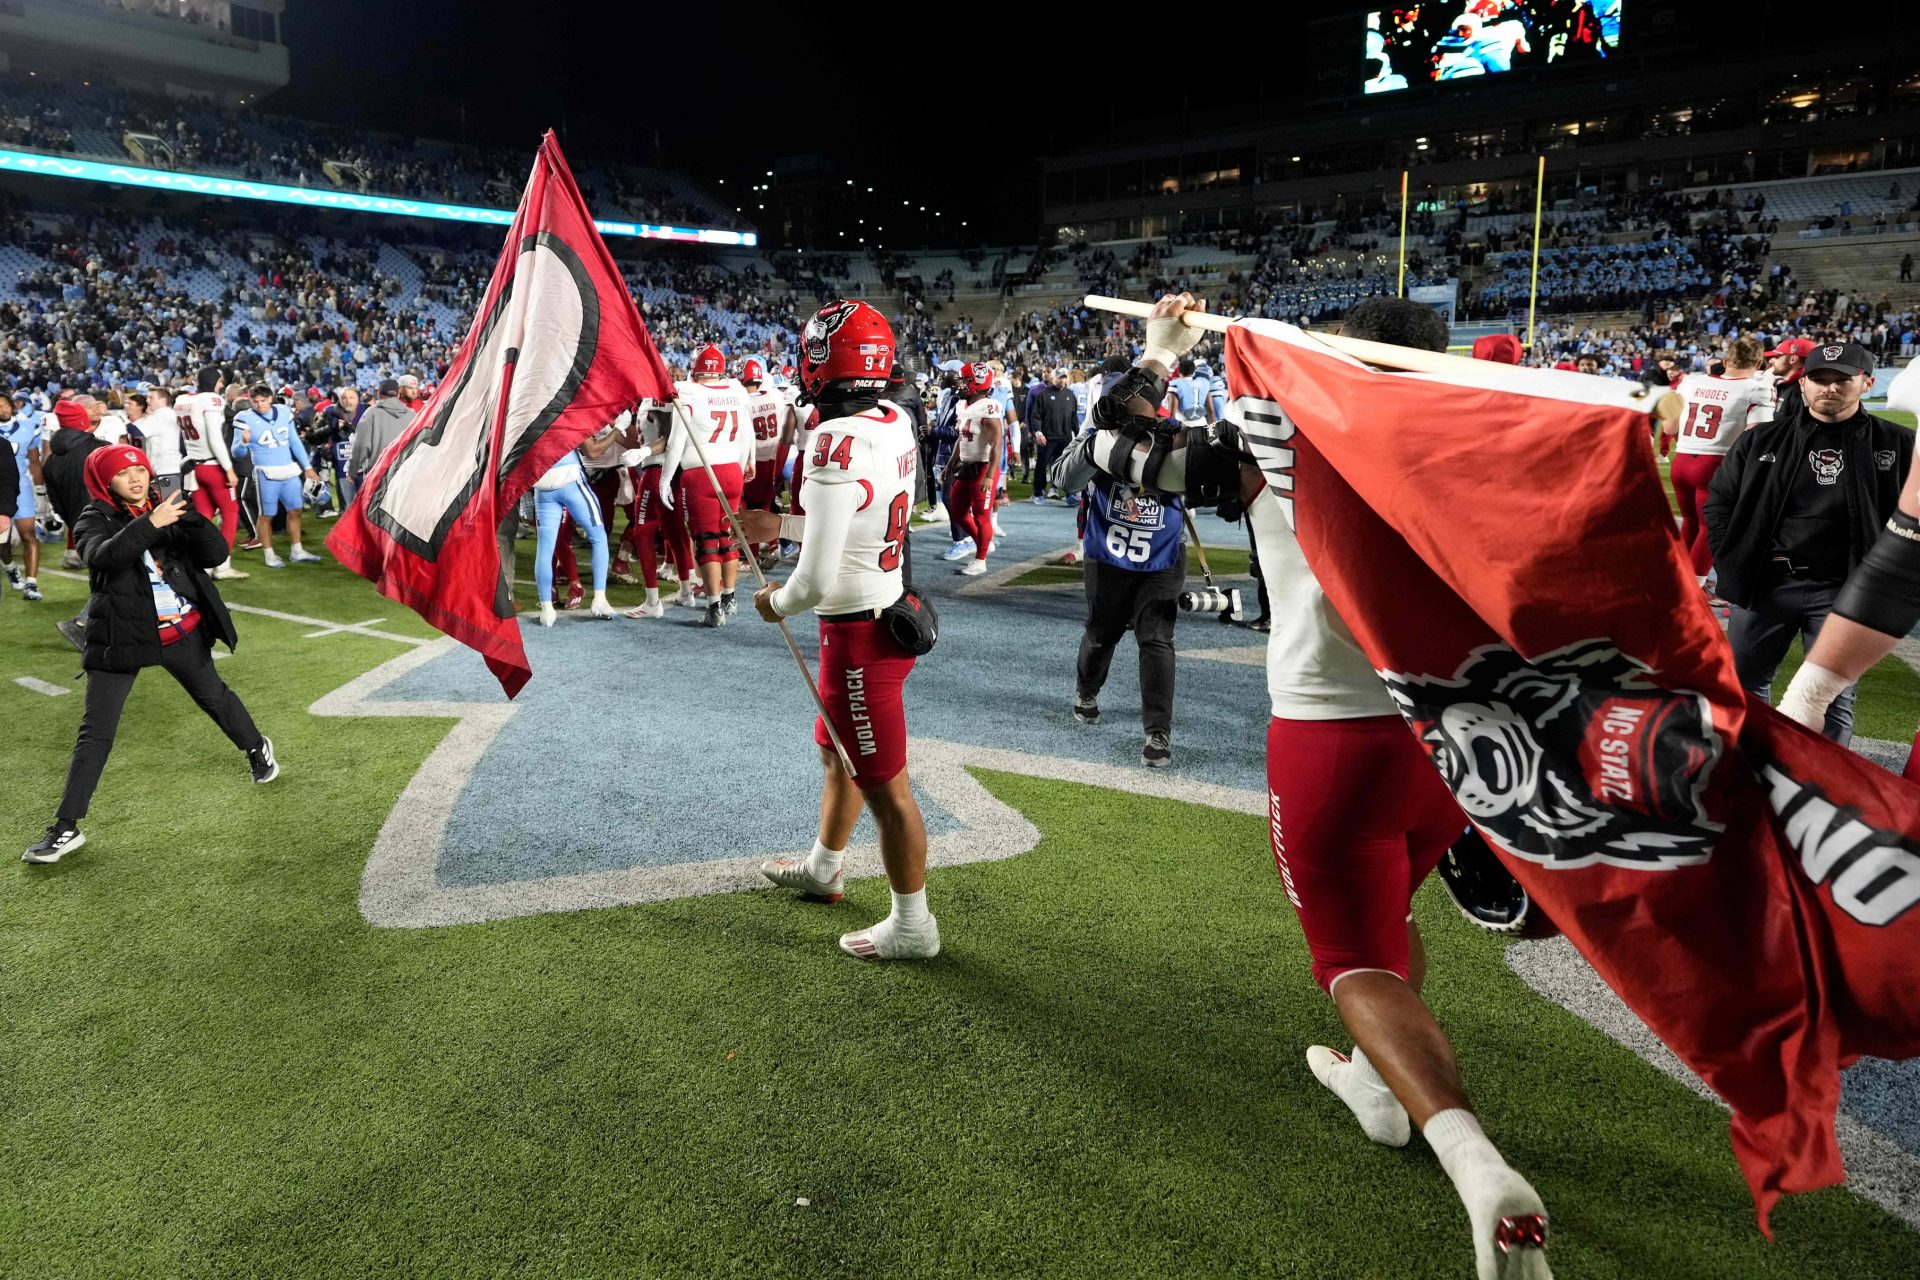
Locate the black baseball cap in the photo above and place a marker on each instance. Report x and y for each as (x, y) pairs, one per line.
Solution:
(1849, 357)
(389, 387)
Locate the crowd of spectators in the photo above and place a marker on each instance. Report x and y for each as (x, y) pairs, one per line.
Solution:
(46, 113)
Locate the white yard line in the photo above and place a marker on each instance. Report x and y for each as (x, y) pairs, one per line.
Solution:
(41, 686)
(327, 627)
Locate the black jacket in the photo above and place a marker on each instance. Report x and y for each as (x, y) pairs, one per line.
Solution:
(65, 470)
(1749, 493)
(1056, 414)
(9, 480)
(123, 631)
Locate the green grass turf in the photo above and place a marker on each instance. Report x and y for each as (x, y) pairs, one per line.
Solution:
(217, 1068)
(1227, 562)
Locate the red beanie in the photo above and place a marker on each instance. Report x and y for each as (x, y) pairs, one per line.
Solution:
(71, 414)
(104, 464)
(1501, 348)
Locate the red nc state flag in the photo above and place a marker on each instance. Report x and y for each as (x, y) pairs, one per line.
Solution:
(1503, 552)
(556, 352)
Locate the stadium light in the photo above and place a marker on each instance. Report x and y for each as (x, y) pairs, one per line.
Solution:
(198, 184)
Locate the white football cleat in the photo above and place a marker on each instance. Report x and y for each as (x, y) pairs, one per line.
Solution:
(547, 616)
(974, 569)
(654, 610)
(1380, 1114)
(601, 607)
(933, 514)
(792, 873)
(687, 600)
(888, 941)
(225, 572)
(1509, 1228)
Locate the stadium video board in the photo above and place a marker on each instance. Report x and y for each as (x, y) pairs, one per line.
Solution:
(1465, 39)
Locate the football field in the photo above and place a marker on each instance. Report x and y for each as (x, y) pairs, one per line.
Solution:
(477, 992)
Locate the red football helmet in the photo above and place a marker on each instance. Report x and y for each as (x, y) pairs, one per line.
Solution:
(710, 363)
(752, 371)
(976, 379)
(845, 342)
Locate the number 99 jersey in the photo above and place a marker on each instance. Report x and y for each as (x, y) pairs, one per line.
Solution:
(859, 482)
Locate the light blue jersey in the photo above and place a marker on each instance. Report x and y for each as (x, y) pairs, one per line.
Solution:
(22, 435)
(271, 441)
(1189, 395)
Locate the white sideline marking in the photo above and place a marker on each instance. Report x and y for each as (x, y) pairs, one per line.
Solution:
(400, 887)
(41, 686)
(338, 627)
(327, 628)
(1001, 577)
(1878, 1169)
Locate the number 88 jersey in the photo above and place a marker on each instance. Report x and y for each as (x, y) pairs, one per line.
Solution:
(1714, 411)
(868, 463)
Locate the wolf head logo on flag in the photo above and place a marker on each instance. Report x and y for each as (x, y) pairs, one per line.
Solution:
(556, 352)
(1570, 759)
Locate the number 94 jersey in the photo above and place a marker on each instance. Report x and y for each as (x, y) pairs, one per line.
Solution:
(1714, 411)
(859, 480)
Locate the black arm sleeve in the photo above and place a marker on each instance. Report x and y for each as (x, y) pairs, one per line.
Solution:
(9, 480)
(1883, 591)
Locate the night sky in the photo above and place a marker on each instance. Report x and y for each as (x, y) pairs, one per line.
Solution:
(959, 131)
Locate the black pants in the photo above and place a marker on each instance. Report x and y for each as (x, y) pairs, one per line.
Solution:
(191, 663)
(1049, 454)
(1149, 601)
(1761, 636)
(1259, 578)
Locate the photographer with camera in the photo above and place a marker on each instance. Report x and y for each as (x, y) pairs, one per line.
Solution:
(1136, 563)
(1358, 814)
(152, 604)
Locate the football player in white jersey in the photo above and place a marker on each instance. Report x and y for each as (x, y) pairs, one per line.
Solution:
(716, 407)
(853, 551)
(1360, 816)
(202, 415)
(772, 434)
(1714, 410)
(976, 463)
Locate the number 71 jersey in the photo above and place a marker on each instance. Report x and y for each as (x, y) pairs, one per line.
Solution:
(722, 415)
(871, 459)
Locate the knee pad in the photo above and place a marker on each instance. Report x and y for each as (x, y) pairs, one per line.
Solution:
(1883, 593)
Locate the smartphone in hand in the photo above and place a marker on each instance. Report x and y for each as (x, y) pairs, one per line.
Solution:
(164, 487)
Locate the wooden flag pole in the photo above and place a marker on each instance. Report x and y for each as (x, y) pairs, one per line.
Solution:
(746, 553)
(1386, 355)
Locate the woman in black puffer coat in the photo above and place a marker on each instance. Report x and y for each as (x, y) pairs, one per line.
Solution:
(152, 605)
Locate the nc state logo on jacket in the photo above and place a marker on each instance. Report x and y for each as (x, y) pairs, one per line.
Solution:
(1571, 759)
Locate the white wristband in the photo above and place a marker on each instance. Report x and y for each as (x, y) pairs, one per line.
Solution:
(1161, 356)
(1810, 692)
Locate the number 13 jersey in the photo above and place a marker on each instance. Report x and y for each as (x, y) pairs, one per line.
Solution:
(859, 484)
(1716, 410)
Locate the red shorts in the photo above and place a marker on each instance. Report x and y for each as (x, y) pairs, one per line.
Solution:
(862, 672)
(759, 492)
(1358, 816)
(706, 518)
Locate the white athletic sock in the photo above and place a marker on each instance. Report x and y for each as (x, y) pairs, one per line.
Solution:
(824, 863)
(1356, 1083)
(653, 595)
(1490, 1189)
(1699, 579)
(910, 910)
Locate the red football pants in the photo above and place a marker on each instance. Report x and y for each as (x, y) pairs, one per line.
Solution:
(1358, 816)
(214, 496)
(970, 499)
(1692, 473)
(862, 674)
(706, 517)
(653, 519)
